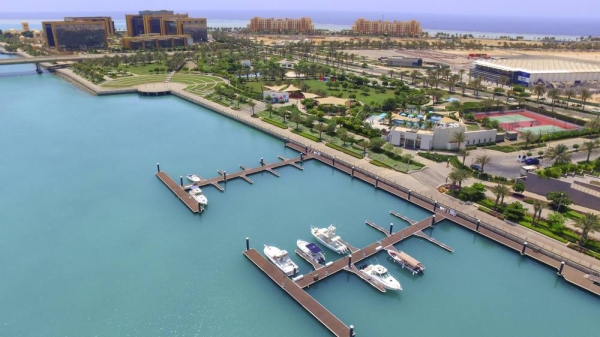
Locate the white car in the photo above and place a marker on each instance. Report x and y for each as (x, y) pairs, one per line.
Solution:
(596, 110)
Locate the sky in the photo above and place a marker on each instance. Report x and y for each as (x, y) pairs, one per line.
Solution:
(538, 8)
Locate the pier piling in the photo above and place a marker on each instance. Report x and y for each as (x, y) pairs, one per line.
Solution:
(409, 193)
(181, 181)
(560, 269)
(478, 224)
(391, 228)
(435, 206)
(247, 243)
(333, 161)
(349, 261)
(433, 220)
(157, 167)
(524, 247)
(376, 181)
(351, 330)
(352, 175)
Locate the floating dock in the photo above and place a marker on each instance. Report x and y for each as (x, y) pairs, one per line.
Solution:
(180, 192)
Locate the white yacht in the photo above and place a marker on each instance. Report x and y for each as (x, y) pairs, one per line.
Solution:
(311, 250)
(379, 274)
(193, 178)
(196, 193)
(407, 261)
(328, 237)
(281, 260)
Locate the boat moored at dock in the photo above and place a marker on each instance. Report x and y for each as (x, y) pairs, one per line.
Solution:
(380, 274)
(328, 237)
(281, 260)
(196, 193)
(407, 261)
(313, 251)
(193, 178)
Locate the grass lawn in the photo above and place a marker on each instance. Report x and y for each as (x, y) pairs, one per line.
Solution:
(472, 127)
(140, 69)
(130, 81)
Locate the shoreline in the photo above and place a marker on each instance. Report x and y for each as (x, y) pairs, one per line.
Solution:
(547, 255)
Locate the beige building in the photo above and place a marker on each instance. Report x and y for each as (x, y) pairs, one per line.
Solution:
(279, 26)
(378, 27)
(25, 26)
(439, 138)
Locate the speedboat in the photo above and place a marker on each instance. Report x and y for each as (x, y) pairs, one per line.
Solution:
(311, 250)
(327, 237)
(196, 193)
(379, 274)
(281, 260)
(193, 178)
(407, 261)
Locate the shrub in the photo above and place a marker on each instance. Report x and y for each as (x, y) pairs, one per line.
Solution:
(346, 151)
(275, 123)
(306, 135)
(380, 164)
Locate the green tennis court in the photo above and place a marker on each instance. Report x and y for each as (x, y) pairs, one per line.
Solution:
(511, 119)
(541, 129)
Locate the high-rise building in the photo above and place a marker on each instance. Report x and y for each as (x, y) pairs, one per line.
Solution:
(153, 22)
(110, 24)
(163, 29)
(76, 35)
(281, 26)
(378, 27)
(25, 26)
(196, 28)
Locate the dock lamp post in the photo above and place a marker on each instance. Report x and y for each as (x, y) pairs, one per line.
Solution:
(435, 205)
(391, 228)
(478, 224)
(349, 261)
(524, 247)
(376, 181)
(157, 167)
(181, 181)
(247, 243)
(351, 330)
(352, 171)
(409, 193)
(225, 175)
(333, 161)
(433, 220)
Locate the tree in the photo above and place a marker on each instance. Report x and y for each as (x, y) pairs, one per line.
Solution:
(584, 94)
(376, 143)
(569, 93)
(364, 143)
(519, 187)
(296, 118)
(500, 191)
(539, 90)
(459, 175)
(558, 199)
(528, 137)
(321, 127)
(538, 206)
(483, 160)
(589, 223)
(497, 91)
(269, 107)
(593, 125)
(464, 153)
(252, 105)
(342, 133)
(459, 138)
(475, 192)
(554, 95)
(515, 211)
(556, 221)
(591, 147)
(559, 153)
(409, 157)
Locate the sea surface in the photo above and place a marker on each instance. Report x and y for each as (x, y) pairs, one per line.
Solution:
(93, 244)
(530, 28)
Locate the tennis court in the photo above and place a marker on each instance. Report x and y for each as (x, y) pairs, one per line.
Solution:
(524, 120)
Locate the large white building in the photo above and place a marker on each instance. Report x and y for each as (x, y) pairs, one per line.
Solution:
(529, 71)
(439, 138)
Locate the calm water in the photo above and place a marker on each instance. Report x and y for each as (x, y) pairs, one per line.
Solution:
(93, 244)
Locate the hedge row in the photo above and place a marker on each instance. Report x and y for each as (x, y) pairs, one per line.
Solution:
(346, 151)
(307, 135)
(380, 164)
(275, 123)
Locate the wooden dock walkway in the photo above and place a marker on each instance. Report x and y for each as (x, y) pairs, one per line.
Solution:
(180, 192)
(306, 258)
(434, 241)
(379, 228)
(334, 324)
(403, 217)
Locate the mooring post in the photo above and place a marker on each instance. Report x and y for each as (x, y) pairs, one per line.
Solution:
(301, 157)
(262, 161)
(225, 175)
(391, 228)
(524, 247)
(434, 206)
(199, 208)
(433, 220)
(352, 175)
(247, 243)
(157, 167)
(349, 261)
(351, 330)
(376, 181)
(478, 223)
(560, 269)
(181, 181)
(333, 161)
(409, 193)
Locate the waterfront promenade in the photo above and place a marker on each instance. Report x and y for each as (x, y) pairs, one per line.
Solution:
(244, 116)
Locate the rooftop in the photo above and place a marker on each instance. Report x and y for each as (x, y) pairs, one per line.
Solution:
(535, 65)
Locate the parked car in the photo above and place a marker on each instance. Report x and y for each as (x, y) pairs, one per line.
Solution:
(542, 107)
(532, 161)
(476, 167)
(596, 110)
(511, 99)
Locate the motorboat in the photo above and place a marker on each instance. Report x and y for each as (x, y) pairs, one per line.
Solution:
(379, 274)
(407, 261)
(313, 251)
(281, 260)
(327, 237)
(193, 178)
(196, 193)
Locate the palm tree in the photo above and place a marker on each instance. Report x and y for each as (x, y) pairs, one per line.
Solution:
(593, 125)
(559, 153)
(413, 75)
(528, 136)
(569, 93)
(539, 90)
(500, 191)
(538, 206)
(459, 138)
(464, 153)
(482, 160)
(458, 175)
(589, 223)
(554, 94)
(252, 105)
(590, 147)
(584, 94)
(320, 127)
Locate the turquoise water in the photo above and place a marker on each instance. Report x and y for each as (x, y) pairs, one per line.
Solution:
(93, 244)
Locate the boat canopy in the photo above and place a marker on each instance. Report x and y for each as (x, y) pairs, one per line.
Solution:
(313, 248)
(335, 238)
(408, 259)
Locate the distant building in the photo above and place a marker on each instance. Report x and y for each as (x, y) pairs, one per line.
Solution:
(281, 26)
(378, 27)
(110, 24)
(75, 35)
(440, 137)
(156, 41)
(166, 23)
(246, 63)
(399, 61)
(24, 26)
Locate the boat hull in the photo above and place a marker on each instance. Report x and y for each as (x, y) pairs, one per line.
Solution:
(319, 257)
(289, 268)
